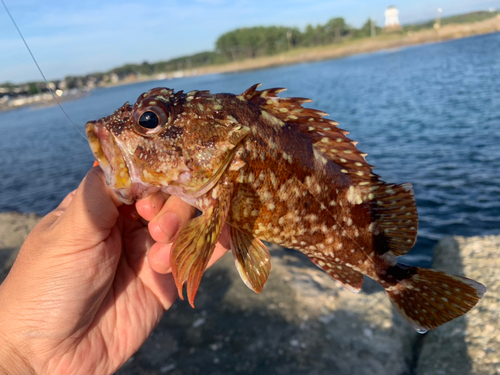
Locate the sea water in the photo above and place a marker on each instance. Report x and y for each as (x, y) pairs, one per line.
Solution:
(428, 114)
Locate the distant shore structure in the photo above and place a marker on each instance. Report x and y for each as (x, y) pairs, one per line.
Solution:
(392, 19)
(437, 24)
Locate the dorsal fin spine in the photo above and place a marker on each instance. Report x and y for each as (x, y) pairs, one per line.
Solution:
(387, 200)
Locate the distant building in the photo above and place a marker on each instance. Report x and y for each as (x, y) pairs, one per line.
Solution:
(391, 19)
(113, 77)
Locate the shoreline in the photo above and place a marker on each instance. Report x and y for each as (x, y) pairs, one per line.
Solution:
(382, 42)
(348, 48)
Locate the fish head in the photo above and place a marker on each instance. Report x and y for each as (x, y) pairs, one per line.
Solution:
(165, 141)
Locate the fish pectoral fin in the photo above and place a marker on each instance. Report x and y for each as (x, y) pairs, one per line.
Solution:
(195, 243)
(252, 259)
(351, 280)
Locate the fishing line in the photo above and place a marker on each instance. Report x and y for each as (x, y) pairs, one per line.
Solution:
(40, 70)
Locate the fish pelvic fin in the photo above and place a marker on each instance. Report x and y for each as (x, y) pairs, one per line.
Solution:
(351, 280)
(429, 298)
(195, 243)
(252, 259)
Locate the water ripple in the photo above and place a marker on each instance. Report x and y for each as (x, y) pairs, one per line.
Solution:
(429, 115)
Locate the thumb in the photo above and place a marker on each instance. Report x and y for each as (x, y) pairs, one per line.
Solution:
(92, 212)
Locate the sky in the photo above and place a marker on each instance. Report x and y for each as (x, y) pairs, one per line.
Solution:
(80, 37)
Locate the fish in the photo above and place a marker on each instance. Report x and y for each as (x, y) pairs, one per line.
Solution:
(276, 171)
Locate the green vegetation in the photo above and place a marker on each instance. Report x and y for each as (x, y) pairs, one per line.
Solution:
(265, 41)
(243, 43)
(180, 63)
(256, 41)
(458, 19)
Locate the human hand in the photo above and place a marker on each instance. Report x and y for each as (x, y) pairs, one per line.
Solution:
(166, 215)
(89, 284)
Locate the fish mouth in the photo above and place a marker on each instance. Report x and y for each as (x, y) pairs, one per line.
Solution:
(110, 159)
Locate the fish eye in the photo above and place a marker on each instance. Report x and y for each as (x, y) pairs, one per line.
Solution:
(149, 120)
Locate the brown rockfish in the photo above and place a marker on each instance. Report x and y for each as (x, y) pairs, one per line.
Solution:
(273, 170)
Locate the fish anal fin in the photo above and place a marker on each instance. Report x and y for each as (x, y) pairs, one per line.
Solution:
(252, 259)
(430, 298)
(195, 243)
(351, 280)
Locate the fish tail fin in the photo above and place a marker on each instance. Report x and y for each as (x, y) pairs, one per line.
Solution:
(427, 298)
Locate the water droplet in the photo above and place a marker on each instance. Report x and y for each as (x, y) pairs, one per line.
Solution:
(421, 330)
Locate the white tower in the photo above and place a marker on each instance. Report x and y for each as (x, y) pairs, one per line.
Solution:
(391, 18)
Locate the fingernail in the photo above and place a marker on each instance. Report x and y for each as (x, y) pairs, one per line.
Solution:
(169, 223)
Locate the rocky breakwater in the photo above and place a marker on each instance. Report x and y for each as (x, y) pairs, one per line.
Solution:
(305, 323)
(14, 228)
(469, 344)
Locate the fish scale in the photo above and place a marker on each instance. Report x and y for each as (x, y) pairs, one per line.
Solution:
(297, 220)
(274, 171)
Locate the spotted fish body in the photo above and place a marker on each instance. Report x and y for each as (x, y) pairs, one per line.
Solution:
(273, 170)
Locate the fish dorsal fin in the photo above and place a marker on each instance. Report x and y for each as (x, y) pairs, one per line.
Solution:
(324, 134)
(395, 219)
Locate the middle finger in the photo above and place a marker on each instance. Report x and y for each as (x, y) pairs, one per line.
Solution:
(174, 214)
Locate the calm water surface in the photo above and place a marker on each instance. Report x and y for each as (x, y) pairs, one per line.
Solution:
(429, 115)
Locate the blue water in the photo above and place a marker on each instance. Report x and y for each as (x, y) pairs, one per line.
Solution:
(429, 115)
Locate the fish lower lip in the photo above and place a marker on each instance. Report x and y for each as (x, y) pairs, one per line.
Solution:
(111, 161)
(95, 146)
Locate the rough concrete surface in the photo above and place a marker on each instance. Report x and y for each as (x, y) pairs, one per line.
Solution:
(469, 344)
(302, 323)
(305, 323)
(14, 228)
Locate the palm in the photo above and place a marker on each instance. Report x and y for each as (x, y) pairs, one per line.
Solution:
(136, 297)
(83, 293)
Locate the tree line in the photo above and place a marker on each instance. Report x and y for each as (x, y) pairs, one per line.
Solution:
(242, 43)
(234, 45)
(264, 41)
(253, 42)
